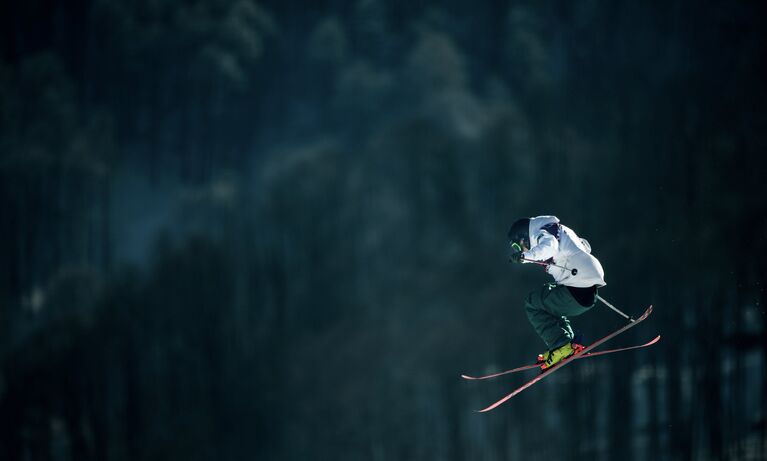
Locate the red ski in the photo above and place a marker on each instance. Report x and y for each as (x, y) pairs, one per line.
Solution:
(586, 356)
(568, 360)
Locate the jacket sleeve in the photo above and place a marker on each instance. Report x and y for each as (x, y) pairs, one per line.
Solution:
(547, 247)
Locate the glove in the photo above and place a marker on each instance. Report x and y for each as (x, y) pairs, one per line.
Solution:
(516, 257)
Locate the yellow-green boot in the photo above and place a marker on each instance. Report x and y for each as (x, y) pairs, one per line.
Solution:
(551, 358)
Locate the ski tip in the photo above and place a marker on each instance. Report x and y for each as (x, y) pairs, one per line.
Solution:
(646, 313)
(491, 407)
(503, 400)
(467, 377)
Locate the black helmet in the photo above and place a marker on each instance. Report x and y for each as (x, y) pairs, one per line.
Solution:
(520, 232)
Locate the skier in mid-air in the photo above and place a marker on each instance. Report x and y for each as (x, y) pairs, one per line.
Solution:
(544, 240)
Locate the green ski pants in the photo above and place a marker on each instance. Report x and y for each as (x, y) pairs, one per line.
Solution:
(548, 309)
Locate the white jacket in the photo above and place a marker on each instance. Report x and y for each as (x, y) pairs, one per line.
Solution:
(567, 250)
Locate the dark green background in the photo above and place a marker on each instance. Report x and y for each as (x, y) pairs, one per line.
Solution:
(234, 230)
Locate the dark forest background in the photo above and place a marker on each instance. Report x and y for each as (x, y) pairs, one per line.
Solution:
(276, 230)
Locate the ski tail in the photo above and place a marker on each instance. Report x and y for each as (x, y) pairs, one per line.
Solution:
(495, 375)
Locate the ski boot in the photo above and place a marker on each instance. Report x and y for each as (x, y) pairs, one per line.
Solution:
(551, 358)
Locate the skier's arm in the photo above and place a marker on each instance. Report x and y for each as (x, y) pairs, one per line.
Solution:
(547, 247)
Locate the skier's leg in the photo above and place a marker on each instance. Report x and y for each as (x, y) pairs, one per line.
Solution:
(563, 304)
(553, 329)
(547, 310)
